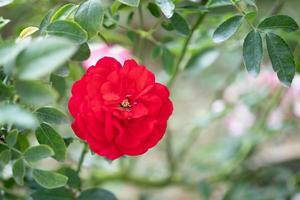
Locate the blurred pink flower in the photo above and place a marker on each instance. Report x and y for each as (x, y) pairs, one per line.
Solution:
(101, 50)
(275, 119)
(239, 120)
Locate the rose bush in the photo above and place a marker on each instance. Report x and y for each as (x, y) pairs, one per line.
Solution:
(119, 110)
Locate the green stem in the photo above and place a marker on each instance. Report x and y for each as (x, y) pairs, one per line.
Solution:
(184, 49)
(82, 156)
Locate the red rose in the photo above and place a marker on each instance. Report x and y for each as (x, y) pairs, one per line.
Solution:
(119, 110)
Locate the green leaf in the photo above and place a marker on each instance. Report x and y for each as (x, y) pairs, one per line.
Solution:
(154, 9)
(253, 52)
(73, 177)
(18, 170)
(13, 114)
(68, 29)
(36, 153)
(46, 21)
(45, 134)
(9, 51)
(22, 142)
(283, 22)
(167, 60)
(55, 194)
(227, 28)
(49, 180)
(5, 92)
(51, 115)
(219, 3)
(90, 16)
(179, 24)
(44, 56)
(35, 92)
(133, 3)
(3, 22)
(156, 51)
(59, 84)
(4, 158)
(64, 12)
(5, 2)
(166, 6)
(82, 53)
(282, 58)
(11, 138)
(96, 193)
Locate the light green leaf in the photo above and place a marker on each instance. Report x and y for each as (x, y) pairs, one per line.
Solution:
(36, 153)
(9, 51)
(13, 114)
(64, 12)
(18, 170)
(283, 22)
(46, 21)
(3, 22)
(253, 52)
(68, 29)
(44, 56)
(5, 2)
(96, 193)
(35, 92)
(133, 3)
(227, 28)
(90, 16)
(166, 6)
(282, 58)
(5, 92)
(219, 3)
(45, 134)
(49, 180)
(51, 115)
(179, 24)
(11, 138)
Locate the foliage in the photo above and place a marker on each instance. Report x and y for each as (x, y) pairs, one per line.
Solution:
(40, 58)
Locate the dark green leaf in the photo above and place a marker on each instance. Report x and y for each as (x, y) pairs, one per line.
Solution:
(156, 51)
(50, 53)
(64, 12)
(5, 92)
(282, 58)
(253, 52)
(179, 24)
(11, 138)
(227, 28)
(59, 84)
(73, 177)
(46, 21)
(51, 115)
(49, 180)
(82, 53)
(12, 114)
(133, 3)
(166, 6)
(5, 2)
(36, 153)
(45, 134)
(22, 142)
(4, 158)
(95, 193)
(168, 61)
(35, 92)
(68, 29)
(55, 194)
(168, 26)
(153, 9)
(18, 170)
(90, 16)
(279, 22)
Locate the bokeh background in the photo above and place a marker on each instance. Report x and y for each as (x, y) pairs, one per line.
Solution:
(234, 137)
